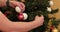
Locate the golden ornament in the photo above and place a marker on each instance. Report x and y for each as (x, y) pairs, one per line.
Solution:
(55, 30)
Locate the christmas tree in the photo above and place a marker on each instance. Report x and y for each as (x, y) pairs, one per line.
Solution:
(33, 8)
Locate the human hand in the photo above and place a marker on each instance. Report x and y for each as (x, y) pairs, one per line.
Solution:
(39, 20)
(36, 23)
(13, 4)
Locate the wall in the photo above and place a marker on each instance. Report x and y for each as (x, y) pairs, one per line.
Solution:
(56, 5)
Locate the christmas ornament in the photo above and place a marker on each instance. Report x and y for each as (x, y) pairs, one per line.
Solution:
(55, 30)
(18, 10)
(49, 9)
(50, 3)
(52, 27)
(25, 16)
(22, 16)
(5, 14)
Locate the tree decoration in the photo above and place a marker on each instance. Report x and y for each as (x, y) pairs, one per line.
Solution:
(51, 3)
(49, 9)
(22, 16)
(25, 16)
(18, 10)
(55, 30)
(52, 27)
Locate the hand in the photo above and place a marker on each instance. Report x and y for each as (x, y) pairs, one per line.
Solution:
(39, 20)
(16, 3)
(34, 24)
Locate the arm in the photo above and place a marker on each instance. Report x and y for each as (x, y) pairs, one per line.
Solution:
(6, 24)
(12, 4)
(30, 25)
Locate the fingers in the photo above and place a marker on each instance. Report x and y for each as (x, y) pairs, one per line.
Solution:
(12, 4)
(22, 6)
(40, 19)
(19, 4)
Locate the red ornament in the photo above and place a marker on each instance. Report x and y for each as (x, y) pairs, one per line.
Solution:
(5, 14)
(21, 16)
(52, 27)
